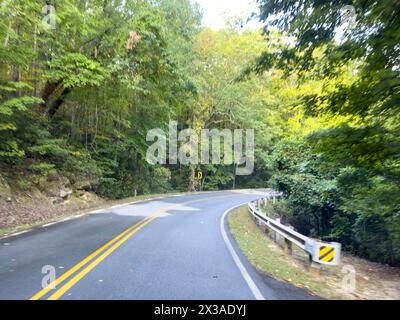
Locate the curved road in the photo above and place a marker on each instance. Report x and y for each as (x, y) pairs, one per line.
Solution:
(177, 247)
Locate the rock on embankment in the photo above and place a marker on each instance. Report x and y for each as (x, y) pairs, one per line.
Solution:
(51, 198)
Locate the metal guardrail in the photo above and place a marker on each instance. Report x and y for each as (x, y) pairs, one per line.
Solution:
(321, 252)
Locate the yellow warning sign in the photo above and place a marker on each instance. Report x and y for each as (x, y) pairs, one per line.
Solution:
(326, 253)
(199, 175)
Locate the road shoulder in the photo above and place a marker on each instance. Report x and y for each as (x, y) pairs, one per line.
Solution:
(270, 287)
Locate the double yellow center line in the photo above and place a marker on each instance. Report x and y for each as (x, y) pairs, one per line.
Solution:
(100, 254)
(108, 248)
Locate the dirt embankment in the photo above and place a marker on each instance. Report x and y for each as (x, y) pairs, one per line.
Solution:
(52, 200)
(27, 209)
(55, 198)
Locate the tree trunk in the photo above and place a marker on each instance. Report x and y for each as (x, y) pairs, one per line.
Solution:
(51, 103)
(191, 178)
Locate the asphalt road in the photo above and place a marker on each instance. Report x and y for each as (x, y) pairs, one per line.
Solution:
(177, 247)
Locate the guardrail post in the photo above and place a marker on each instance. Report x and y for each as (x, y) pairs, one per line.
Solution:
(289, 247)
(277, 235)
(310, 262)
(289, 244)
(267, 231)
(312, 266)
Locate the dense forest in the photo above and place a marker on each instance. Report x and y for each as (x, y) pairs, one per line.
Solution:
(80, 88)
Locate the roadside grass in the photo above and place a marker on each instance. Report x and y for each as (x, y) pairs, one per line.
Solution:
(270, 259)
(10, 230)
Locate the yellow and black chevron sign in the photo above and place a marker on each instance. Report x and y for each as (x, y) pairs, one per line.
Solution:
(326, 253)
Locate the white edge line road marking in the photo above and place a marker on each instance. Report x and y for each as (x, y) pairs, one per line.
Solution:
(20, 232)
(45, 225)
(253, 287)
